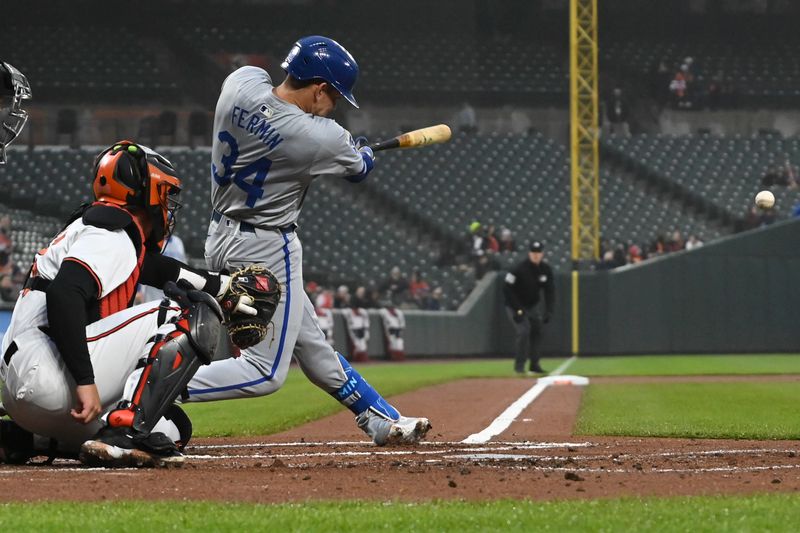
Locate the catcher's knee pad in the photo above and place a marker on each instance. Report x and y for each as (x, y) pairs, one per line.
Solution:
(173, 359)
(359, 396)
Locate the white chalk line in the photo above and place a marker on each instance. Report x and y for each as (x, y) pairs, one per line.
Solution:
(721, 469)
(471, 454)
(519, 444)
(507, 417)
(476, 454)
(563, 367)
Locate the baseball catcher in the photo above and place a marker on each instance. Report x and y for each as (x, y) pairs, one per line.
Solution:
(76, 348)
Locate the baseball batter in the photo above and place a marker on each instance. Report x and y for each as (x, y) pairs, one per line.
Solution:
(270, 142)
(74, 347)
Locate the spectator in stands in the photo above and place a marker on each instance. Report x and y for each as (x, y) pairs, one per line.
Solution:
(418, 288)
(660, 84)
(11, 277)
(752, 219)
(506, 241)
(477, 239)
(341, 299)
(617, 112)
(693, 242)
(325, 299)
(680, 87)
(361, 299)
(772, 176)
(372, 297)
(492, 245)
(433, 301)
(486, 263)
(395, 287)
(675, 241)
(714, 91)
(466, 120)
(5, 234)
(312, 290)
(634, 254)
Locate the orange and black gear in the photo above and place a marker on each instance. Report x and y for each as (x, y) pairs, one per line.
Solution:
(132, 175)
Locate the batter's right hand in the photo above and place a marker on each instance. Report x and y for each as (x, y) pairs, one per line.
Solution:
(89, 406)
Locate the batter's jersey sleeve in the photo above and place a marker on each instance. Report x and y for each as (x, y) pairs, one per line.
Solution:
(337, 154)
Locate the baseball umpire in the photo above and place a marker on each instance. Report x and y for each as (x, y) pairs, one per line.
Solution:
(522, 288)
(269, 143)
(75, 348)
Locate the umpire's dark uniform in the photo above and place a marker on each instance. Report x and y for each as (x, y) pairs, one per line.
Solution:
(522, 288)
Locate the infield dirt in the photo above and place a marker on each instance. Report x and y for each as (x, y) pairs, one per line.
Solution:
(538, 457)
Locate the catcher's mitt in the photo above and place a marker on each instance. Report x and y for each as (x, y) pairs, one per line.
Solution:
(249, 301)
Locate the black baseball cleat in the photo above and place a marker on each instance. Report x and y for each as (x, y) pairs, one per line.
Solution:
(117, 448)
(16, 444)
(537, 370)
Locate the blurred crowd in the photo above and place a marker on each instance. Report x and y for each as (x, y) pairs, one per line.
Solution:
(483, 246)
(682, 85)
(11, 276)
(397, 290)
(615, 254)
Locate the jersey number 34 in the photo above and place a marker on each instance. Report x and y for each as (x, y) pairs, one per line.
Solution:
(258, 169)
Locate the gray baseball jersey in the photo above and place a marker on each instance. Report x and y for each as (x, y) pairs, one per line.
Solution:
(270, 151)
(266, 152)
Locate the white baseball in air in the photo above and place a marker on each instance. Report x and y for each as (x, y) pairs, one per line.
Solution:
(765, 199)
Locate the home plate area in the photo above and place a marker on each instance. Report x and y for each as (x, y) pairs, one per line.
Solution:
(535, 457)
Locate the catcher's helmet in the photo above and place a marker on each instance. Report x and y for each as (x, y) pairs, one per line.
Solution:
(14, 88)
(132, 175)
(320, 57)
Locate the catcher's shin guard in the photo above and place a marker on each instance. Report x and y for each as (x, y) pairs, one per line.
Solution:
(173, 359)
(359, 396)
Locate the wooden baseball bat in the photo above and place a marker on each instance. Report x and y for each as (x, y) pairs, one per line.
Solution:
(414, 139)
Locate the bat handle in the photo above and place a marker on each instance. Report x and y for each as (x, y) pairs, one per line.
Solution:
(385, 145)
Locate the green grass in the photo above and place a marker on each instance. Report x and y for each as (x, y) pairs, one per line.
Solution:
(299, 401)
(680, 365)
(703, 410)
(779, 512)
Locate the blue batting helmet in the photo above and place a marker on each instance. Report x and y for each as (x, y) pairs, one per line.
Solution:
(320, 57)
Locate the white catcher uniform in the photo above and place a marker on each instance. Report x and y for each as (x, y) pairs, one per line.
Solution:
(37, 390)
(265, 154)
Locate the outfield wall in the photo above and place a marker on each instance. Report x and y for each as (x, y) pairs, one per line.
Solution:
(737, 294)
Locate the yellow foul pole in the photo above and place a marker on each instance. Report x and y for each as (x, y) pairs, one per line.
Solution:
(583, 146)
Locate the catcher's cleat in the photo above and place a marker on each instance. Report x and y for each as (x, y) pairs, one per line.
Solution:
(405, 430)
(117, 448)
(16, 444)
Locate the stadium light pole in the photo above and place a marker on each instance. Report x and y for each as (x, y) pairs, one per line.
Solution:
(584, 157)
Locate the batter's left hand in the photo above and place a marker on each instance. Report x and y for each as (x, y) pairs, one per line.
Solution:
(89, 406)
